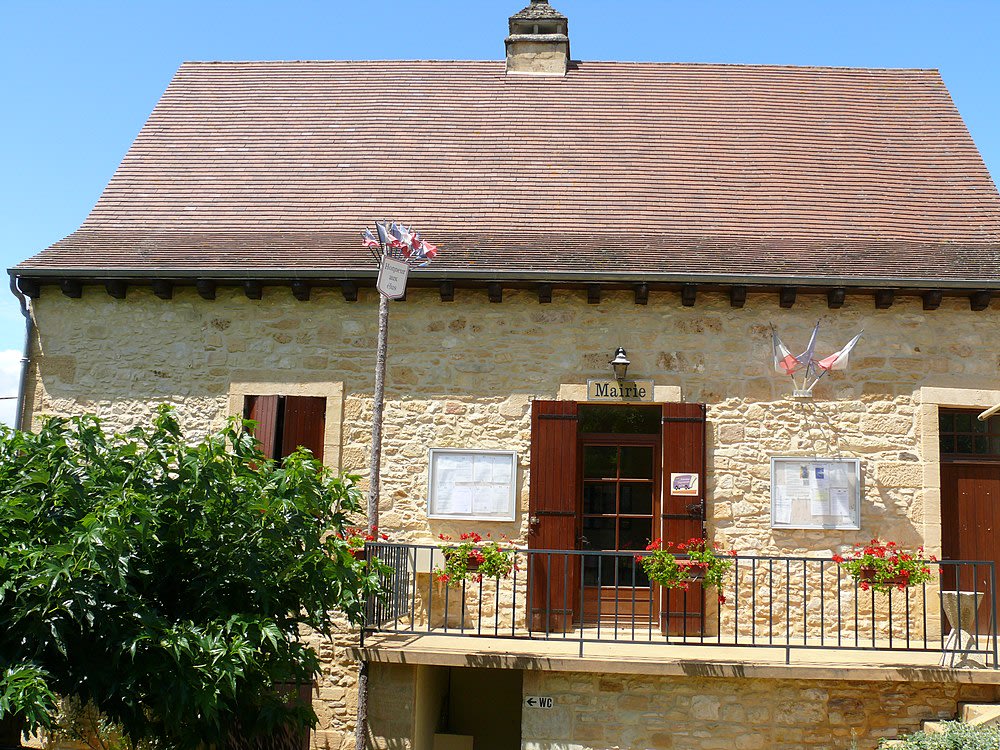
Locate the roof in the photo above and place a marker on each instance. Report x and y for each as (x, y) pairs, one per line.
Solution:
(538, 10)
(680, 170)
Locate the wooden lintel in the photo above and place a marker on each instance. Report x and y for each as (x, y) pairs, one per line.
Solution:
(163, 289)
(301, 290)
(116, 288)
(349, 288)
(835, 298)
(642, 294)
(786, 296)
(544, 293)
(206, 288)
(495, 291)
(884, 298)
(737, 295)
(932, 299)
(30, 287)
(593, 294)
(980, 300)
(253, 289)
(689, 295)
(72, 288)
(447, 290)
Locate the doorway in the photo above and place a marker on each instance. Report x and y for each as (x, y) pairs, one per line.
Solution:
(620, 455)
(599, 482)
(970, 501)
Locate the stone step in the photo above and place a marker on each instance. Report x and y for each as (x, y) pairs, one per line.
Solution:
(934, 727)
(979, 714)
(891, 743)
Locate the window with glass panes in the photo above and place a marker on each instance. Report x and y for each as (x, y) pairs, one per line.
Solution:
(620, 448)
(964, 437)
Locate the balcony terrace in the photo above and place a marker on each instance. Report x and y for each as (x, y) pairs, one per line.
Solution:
(595, 611)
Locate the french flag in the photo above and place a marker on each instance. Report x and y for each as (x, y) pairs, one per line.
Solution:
(784, 360)
(369, 240)
(838, 360)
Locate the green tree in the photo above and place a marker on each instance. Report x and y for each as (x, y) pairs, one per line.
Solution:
(168, 584)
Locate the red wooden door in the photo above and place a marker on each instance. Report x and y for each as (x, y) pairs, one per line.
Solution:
(683, 612)
(264, 411)
(304, 424)
(553, 578)
(970, 511)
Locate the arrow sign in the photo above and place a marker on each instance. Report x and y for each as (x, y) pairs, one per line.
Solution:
(539, 701)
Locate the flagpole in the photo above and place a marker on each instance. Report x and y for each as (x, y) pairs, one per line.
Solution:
(374, 481)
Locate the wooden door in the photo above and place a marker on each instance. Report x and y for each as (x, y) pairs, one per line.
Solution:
(553, 590)
(619, 512)
(683, 612)
(970, 502)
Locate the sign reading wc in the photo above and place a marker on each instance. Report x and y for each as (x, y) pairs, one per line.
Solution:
(539, 701)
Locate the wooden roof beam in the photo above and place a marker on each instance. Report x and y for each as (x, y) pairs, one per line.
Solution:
(737, 295)
(884, 298)
(932, 299)
(253, 289)
(116, 288)
(301, 290)
(72, 288)
(980, 300)
(642, 294)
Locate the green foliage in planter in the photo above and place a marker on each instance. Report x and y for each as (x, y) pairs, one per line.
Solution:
(957, 736)
(166, 583)
(473, 558)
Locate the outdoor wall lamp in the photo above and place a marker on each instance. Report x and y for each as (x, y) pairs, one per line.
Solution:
(620, 364)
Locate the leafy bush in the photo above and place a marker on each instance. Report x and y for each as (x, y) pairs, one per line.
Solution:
(957, 736)
(167, 584)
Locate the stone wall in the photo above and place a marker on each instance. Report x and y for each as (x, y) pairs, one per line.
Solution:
(600, 712)
(463, 374)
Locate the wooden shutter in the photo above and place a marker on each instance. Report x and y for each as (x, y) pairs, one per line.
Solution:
(683, 612)
(264, 411)
(552, 514)
(304, 424)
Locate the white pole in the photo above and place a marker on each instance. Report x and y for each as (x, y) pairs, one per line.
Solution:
(989, 413)
(373, 491)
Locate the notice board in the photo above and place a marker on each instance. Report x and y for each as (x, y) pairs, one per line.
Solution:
(815, 493)
(472, 484)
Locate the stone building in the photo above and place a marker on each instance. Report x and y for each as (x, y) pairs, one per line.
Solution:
(678, 211)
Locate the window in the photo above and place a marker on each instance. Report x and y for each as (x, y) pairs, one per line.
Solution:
(286, 422)
(964, 436)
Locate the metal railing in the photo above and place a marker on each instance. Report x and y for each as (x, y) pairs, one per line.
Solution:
(788, 603)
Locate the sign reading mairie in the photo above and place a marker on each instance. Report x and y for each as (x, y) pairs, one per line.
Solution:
(619, 390)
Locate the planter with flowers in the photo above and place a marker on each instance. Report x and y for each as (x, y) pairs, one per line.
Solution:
(677, 566)
(357, 537)
(473, 558)
(884, 566)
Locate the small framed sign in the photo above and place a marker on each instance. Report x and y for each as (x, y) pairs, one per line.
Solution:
(472, 484)
(392, 275)
(815, 493)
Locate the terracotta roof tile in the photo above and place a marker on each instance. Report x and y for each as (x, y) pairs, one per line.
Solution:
(616, 167)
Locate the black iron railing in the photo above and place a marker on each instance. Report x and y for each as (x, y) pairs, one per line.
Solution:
(773, 602)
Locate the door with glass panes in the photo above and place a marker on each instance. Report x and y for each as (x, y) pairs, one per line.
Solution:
(620, 456)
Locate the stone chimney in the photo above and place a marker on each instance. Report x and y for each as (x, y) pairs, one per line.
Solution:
(539, 41)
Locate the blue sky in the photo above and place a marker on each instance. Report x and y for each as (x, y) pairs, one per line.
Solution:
(79, 78)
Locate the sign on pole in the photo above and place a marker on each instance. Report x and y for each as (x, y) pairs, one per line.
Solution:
(392, 276)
